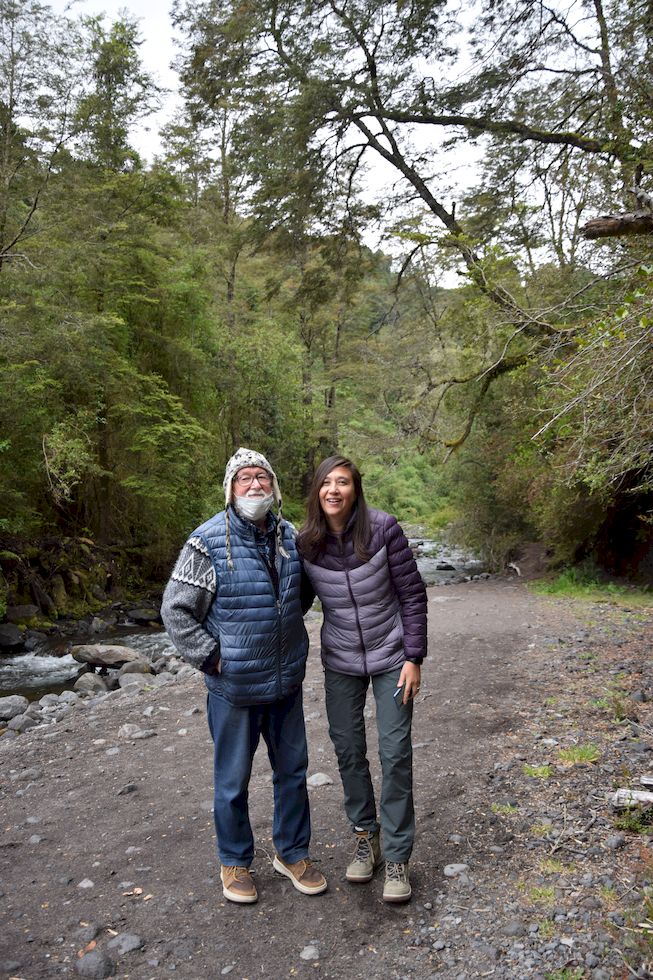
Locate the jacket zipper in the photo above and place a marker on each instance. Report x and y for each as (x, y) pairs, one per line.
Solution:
(277, 599)
(353, 602)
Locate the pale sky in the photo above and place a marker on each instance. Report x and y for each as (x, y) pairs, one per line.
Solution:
(157, 52)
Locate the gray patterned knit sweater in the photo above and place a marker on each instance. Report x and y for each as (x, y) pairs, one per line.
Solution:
(186, 602)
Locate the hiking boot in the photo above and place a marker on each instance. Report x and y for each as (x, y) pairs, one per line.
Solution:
(397, 885)
(237, 884)
(303, 874)
(367, 856)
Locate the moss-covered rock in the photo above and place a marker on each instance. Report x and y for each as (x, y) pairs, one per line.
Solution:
(59, 595)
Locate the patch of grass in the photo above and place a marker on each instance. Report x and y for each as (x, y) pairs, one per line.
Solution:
(541, 829)
(588, 656)
(549, 866)
(567, 973)
(504, 808)
(537, 772)
(546, 929)
(579, 754)
(551, 701)
(577, 583)
(542, 894)
(635, 820)
(602, 703)
(609, 896)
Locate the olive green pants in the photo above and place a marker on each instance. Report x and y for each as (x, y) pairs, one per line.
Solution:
(345, 704)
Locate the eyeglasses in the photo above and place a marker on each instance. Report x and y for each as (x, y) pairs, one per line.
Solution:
(246, 480)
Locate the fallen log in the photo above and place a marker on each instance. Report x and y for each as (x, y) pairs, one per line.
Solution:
(631, 797)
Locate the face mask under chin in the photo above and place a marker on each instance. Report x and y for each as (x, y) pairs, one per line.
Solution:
(253, 508)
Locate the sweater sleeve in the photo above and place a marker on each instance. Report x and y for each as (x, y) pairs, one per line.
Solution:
(410, 590)
(186, 602)
(306, 592)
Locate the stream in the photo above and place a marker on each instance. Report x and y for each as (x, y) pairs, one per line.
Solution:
(45, 669)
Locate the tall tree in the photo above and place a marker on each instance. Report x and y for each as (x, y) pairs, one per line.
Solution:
(39, 79)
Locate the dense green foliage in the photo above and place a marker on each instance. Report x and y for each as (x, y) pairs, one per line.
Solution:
(154, 317)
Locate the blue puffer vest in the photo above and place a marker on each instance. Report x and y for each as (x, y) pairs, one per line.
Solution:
(263, 640)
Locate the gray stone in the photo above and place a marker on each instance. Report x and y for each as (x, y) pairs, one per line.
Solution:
(134, 681)
(126, 942)
(11, 637)
(135, 732)
(145, 614)
(513, 928)
(21, 723)
(48, 700)
(87, 934)
(12, 705)
(90, 684)
(34, 639)
(453, 870)
(26, 775)
(96, 965)
(69, 697)
(310, 953)
(163, 677)
(615, 842)
(135, 667)
(127, 788)
(128, 731)
(104, 654)
(319, 779)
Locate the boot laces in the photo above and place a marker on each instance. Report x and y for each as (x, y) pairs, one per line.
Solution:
(395, 871)
(363, 848)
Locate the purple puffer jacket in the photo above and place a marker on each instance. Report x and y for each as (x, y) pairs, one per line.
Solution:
(374, 611)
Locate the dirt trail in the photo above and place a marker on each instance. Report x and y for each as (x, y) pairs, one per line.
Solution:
(506, 672)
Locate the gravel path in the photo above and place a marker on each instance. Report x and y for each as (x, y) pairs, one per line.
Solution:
(520, 868)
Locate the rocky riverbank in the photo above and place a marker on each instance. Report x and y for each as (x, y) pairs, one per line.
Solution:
(532, 711)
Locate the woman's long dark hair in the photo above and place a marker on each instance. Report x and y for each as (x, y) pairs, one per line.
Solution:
(312, 535)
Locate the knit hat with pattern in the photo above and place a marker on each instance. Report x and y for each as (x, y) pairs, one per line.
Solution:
(249, 457)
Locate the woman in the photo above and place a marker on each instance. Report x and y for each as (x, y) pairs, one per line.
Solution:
(374, 605)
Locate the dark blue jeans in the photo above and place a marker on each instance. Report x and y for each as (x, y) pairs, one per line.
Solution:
(236, 733)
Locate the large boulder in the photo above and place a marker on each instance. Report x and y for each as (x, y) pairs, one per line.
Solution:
(22, 723)
(104, 655)
(11, 637)
(144, 615)
(12, 705)
(23, 615)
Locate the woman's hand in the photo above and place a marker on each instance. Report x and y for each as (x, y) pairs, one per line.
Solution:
(410, 676)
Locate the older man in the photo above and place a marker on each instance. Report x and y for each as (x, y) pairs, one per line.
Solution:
(234, 609)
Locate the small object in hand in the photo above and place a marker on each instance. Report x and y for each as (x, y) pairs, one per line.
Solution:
(399, 695)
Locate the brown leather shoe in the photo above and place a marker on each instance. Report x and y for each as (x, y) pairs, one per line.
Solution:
(238, 884)
(303, 874)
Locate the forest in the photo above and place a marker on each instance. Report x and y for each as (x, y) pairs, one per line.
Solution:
(416, 232)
